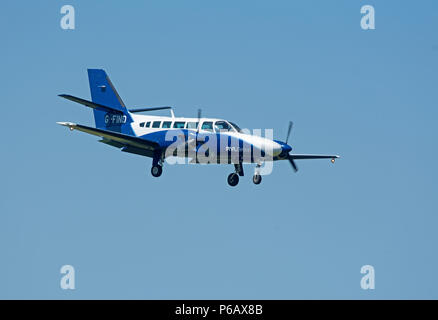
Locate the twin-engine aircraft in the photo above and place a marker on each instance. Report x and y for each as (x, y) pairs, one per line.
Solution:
(201, 140)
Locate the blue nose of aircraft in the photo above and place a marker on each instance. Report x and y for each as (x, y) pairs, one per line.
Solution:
(286, 148)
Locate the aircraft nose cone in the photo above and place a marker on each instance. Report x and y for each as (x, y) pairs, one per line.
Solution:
(286, 148)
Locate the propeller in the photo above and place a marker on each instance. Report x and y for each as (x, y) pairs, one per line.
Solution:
(289, 157)
(292, 162)
(289, 129)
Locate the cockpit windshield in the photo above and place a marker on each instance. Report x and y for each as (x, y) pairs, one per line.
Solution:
(222, 126)
(235, 126)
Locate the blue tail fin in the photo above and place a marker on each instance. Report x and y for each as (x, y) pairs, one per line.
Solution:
(104, 93)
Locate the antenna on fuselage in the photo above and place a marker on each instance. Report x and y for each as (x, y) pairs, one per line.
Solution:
(199, 120)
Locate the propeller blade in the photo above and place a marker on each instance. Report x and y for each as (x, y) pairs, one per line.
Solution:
(292, 162)
(289, 129)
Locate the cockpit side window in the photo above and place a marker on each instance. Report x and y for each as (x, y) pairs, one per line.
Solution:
(222, 126)
(207, 126)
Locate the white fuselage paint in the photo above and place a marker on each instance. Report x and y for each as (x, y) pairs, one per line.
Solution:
(270, 147)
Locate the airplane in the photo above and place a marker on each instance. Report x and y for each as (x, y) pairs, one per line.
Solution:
(202, 140)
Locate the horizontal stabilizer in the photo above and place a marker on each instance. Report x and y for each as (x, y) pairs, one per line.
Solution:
(90, 104)
(149, 109)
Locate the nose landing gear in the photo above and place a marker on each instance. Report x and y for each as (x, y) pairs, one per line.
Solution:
(257, 178)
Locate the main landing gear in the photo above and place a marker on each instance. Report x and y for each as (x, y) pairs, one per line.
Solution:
(156, 171)
(157, 165)
(233, 178)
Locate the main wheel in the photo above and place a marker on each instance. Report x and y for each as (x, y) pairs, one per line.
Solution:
(257, 179)
(157, 171)
(233, 179)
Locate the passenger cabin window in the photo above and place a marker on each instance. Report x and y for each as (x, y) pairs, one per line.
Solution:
(179, 124)
(167, 124)
(222, 126)
(142, 124)
(192, 125)
(207, 126)
(156, 124)
(148, 124)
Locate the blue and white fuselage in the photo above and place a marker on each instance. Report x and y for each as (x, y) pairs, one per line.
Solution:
(200, 140)
(224, 139)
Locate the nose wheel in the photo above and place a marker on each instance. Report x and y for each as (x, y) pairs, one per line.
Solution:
(233, 179)
(256, 178)
(156, 171)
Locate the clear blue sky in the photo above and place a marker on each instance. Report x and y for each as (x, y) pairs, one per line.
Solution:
(370, 96)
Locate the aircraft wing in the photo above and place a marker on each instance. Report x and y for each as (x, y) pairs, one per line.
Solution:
(120, 139)
(312, 156)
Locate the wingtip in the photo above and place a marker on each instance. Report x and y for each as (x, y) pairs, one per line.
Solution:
(66, 124)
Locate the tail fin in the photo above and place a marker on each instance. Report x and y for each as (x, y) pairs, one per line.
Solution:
(104, 93)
